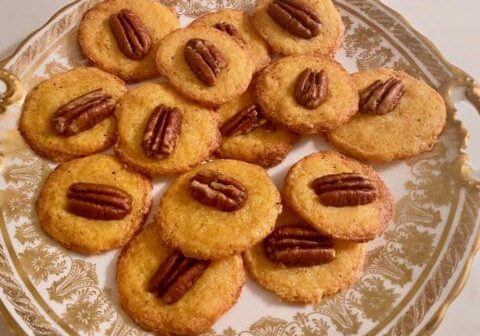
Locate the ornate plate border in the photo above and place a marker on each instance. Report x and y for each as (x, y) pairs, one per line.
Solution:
(459, 78)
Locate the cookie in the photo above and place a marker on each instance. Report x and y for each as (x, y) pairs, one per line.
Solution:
(182, 142)
(311, 277)
(209, 80)
(41, 124)
(93, 204)
(412, 127)
(248, 136)
(103, 40)
(322, 33)
(218, 209)
(307, 94)
(212, 294)
(236, 23)
(356, 206)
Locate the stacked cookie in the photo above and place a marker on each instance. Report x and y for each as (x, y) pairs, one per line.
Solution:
(225, 98)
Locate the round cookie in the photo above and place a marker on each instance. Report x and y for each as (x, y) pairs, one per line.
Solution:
(83, 234)
(284, 42)
(354, 223)
(231, 81)
(275, 93)
(307, 284)
(45, 99)
(98, 43)
(205, 232)
(266, 145)
(259, 49)
(411, 128)
(215, 292)
(198, 137)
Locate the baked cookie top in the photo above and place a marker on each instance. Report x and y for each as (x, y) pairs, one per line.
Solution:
(212, 294)
(220, 75)
(321, 33)
(70, 204)
(41, 105)
(307, 284)
(167, 144)
(307, 93)
(106, 45)
(218, 209)
(413, 126)
(238, 24)
(248, 136)
(355, 207)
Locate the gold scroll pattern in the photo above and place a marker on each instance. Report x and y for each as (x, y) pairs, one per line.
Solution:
(89, 309)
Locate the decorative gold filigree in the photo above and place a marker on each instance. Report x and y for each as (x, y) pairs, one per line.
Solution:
(81, 276)
(89, 311)
(40, 263)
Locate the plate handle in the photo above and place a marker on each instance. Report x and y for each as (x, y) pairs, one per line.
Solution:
(472, 93)
(13, 92)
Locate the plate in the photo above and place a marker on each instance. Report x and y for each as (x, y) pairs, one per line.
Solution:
(412, 272)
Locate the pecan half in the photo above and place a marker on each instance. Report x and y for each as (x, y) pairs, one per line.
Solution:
(83, 113)
(230, 30)
(98, 201)
(311, 88)
(295, 16)
(131, 35)
(175, 276)
(244, 121)
(217, 190)
(345, 189)
(205, 60)
(162, 131)
(382, 97)
(298, 246)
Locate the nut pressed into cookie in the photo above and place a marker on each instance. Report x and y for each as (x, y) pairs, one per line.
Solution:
(205, 65)
(307, 93)
(160, 146)
(93, 204)
(299, 26)
(411, 126)
(45, 123)
(307, 284)
(218, 209)
(338, 196)
(212, 294)
(248, 136)
(128, 46)
(238, 24)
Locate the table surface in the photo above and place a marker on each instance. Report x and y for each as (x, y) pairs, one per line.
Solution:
(450, 25)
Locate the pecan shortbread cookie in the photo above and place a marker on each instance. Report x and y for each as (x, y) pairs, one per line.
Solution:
(307, 93)
(160, 132)
(218, 209)
(72, 114)
(166, 292)
(338, 196)
(399, 117)
(301, 265)
(299, 26)
(205, 65)
(122, 36)
(238, 25)
(93, 204)
(249, 136)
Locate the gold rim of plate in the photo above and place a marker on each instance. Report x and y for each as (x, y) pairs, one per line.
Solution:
(15, 93)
